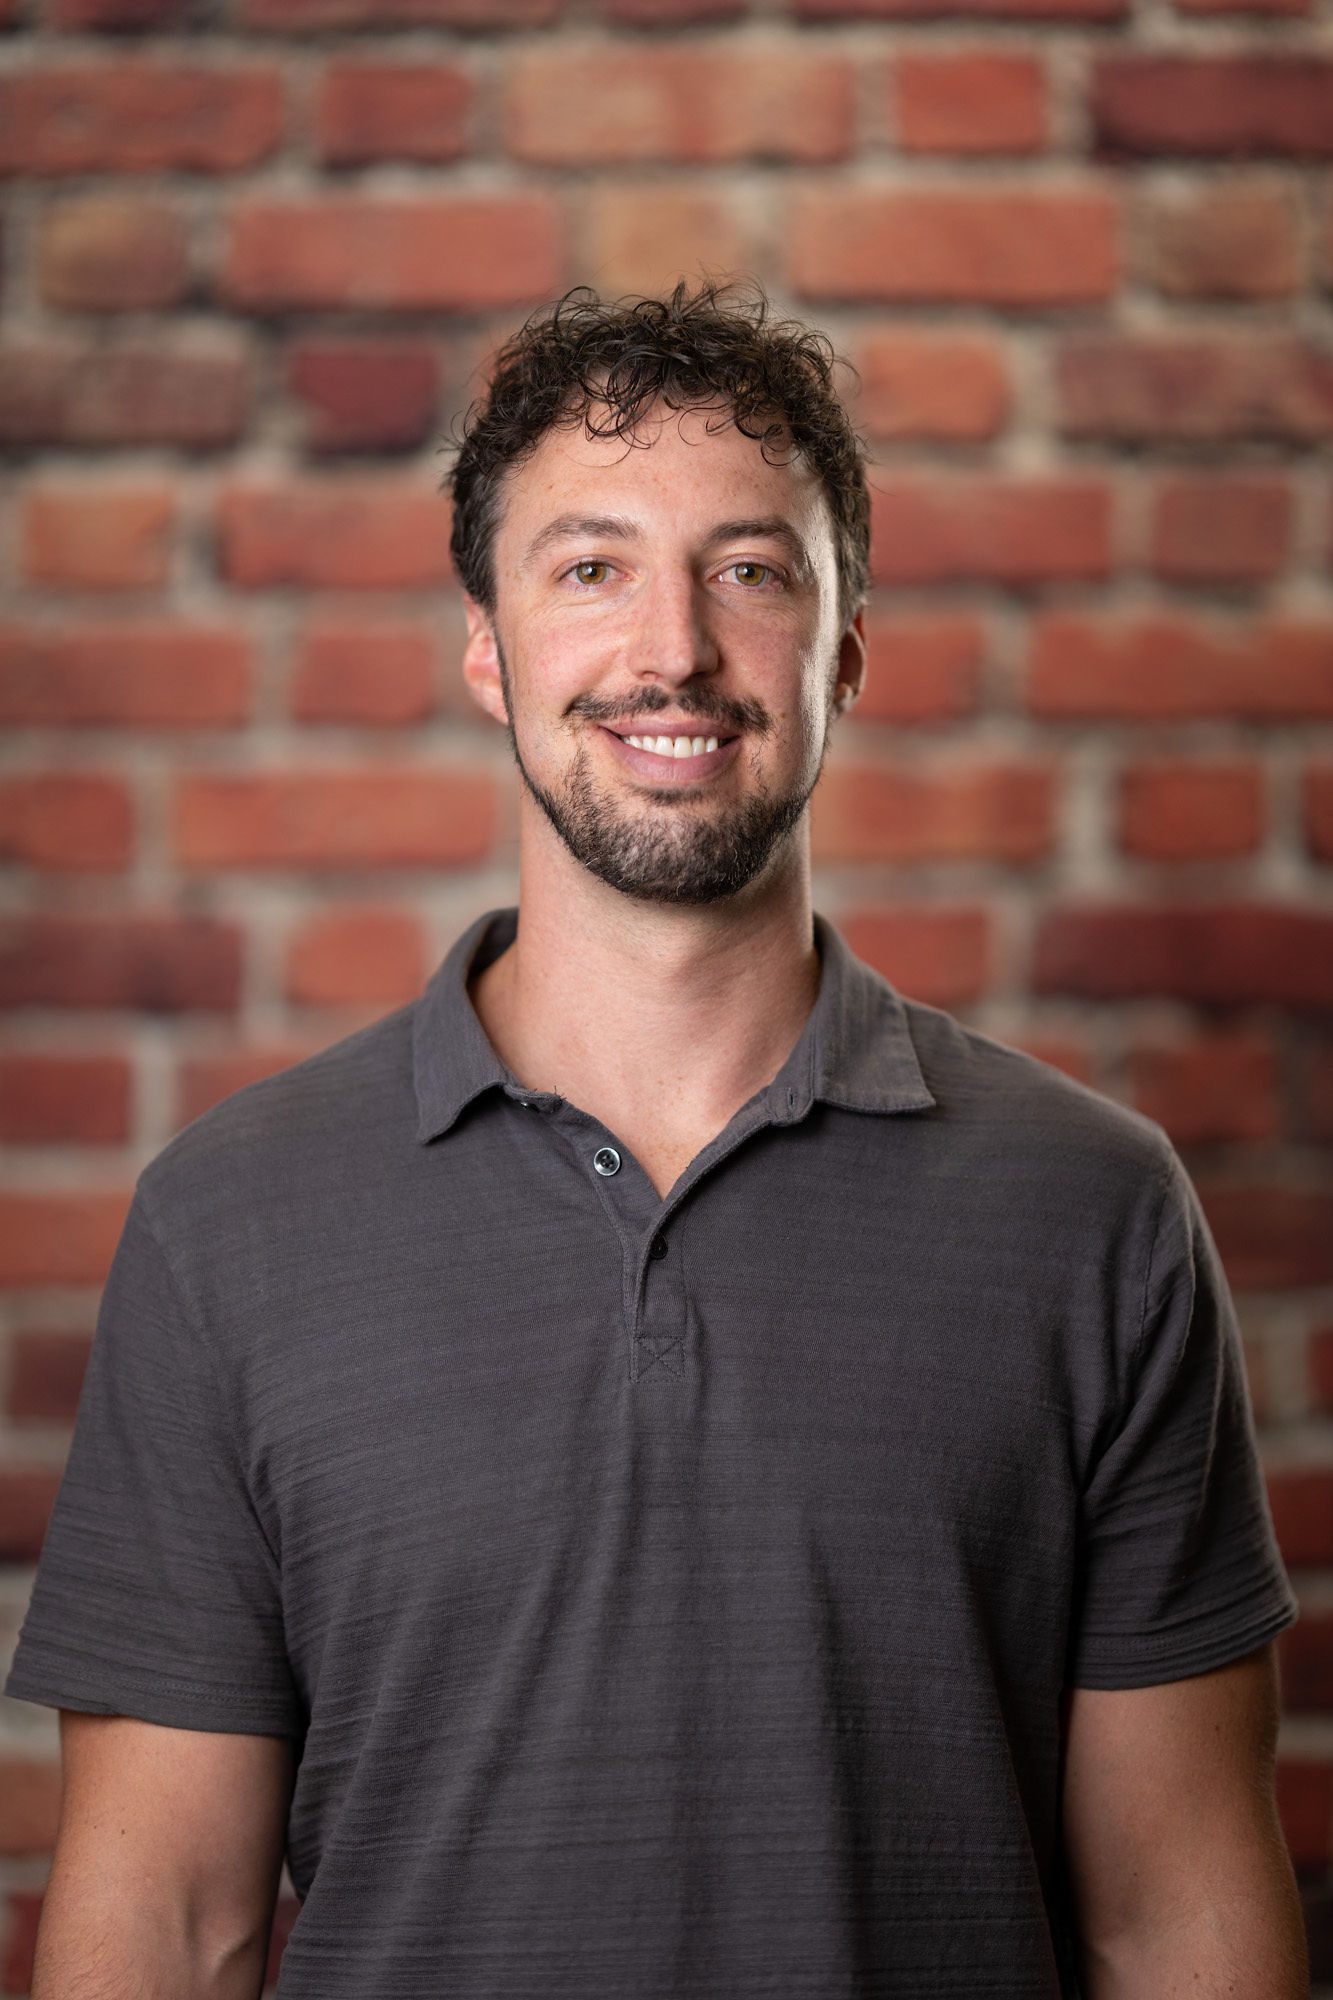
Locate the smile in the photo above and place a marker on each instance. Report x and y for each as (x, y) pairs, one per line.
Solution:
(670, 768)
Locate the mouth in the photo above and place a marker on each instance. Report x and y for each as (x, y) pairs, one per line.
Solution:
(673, 770)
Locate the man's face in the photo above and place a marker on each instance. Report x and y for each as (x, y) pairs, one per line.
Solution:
(641, 587)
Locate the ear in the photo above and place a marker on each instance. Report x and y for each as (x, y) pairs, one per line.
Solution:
(481, 662)
(851, 664)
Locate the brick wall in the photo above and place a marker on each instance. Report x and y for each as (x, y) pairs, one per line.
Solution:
(254, 256)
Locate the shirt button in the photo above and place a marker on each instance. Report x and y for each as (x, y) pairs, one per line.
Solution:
(606, 1160)
(658, 1247)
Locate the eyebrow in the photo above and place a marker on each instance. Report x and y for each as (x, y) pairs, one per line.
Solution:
(618, 527)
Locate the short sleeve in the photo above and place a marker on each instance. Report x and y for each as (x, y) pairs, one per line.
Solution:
(1178, 1569)
(157, 1594)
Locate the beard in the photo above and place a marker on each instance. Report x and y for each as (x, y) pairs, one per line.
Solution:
(677, 847)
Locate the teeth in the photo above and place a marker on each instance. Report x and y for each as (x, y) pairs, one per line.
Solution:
(674, 746)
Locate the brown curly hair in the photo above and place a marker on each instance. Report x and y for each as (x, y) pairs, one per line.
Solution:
(716, 344)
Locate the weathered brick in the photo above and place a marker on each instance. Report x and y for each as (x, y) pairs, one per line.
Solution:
(1227, 528)
(1175, 811)
(59, 1239)
(581, 102)
(377, 252)
(117, 16)
(204, 1080)
(934, 10)
(367, 111)
(346, 535)
(989, 528)
(671, 13)
(402, 816)
(30, 1788)
(1218, 1086)
(1319, 1357)
(1271, 1234)
(365, 395)
(936, 953)
(920, 669)
(108, 537)
(1305, 1809)
(150, 963)
(1228, 953)
(1145, 388)
(1161, 666)
(112, 253)
(294, 17)
(49, 1095)
(27, 1495)
(1237, 240)
(375, 675)
(1002, 247)
(953, 387)
(641, 237)
(1062, 1052)
(63, 393)
(1314, 1091)
(1288, 8)
(138, 116)
(62, 820)
(1317, 810)
(1239, 105)
(1001, 811)
(368, 957)
(139, 676)
(974, 101)
(46, 1371)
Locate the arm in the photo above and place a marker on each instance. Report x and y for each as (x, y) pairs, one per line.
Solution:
(167, 1861)
(1181, 1880)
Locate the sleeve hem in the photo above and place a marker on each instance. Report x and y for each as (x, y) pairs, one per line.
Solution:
(175, 1704)
(1147, 1667)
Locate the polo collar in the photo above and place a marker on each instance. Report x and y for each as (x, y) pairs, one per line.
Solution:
(855, 1050)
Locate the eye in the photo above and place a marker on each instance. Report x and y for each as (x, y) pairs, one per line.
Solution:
(579, 567)
(756, 571)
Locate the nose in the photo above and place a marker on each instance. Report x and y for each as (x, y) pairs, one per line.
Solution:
(675, 640)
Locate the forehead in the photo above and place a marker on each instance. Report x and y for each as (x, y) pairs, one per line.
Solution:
(681, 467)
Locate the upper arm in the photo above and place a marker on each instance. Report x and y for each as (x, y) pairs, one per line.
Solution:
(1168, 1797)
(192, 1817)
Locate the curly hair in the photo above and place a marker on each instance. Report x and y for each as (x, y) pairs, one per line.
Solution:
(774, 379)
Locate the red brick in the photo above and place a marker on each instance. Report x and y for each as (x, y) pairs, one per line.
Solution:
(580, 102)
(1320, 1377)
(48, 1096)
(1163, 667)
(205, 1080)
(1239, 240)
(1225, 953)
(138, 676)
(978, 101)
(30, 1788)
(289, 17)
(62, 820)
(671, 13)
(1174, 811)
(1235, 105)
(951, 387)
(1288, 8)
(375, 253)
(642, 236)
(1148, 387)
(371, 957)
(385, 817)
(18, 1951)
(125, 395)
(1305, 1659)
(367, 395)
(1315, 1092)
(27, 1495)
(112, 253)
(1301, 1498)
(1221, 527)
(368, 111)
(79, 537)
(1271, 1235)
(1218, 1086)
(138, 116)
(1062, 1052)
(990, 811)
(934, 953)
(46, 1371)
(59, 1239)
(1002, 247)
(1305, 1809)
(345, 535)
(380, 675)
(920, 669)
(993, 529)
(114, 16)
(1317, 810)
(934, 10)
(152, 964)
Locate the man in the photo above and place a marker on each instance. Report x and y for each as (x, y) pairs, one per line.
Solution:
(665, 1468)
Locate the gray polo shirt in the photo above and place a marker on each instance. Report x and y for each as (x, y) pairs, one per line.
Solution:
(669, 1596)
